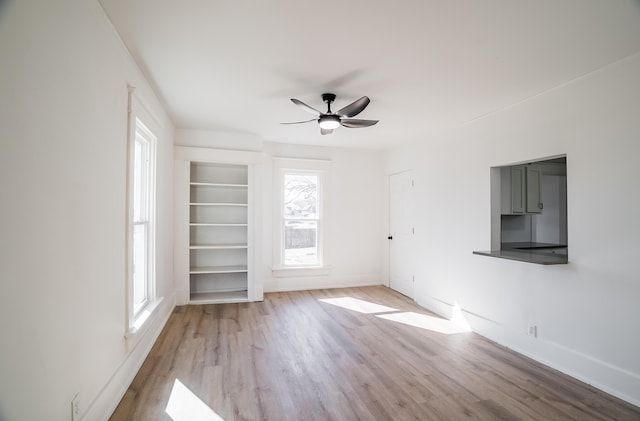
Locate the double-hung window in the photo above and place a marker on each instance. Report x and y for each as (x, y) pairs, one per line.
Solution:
(300, 218)
(142, 221)
(141, 275)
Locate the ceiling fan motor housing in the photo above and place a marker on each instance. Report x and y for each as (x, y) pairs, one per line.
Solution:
(329, 98)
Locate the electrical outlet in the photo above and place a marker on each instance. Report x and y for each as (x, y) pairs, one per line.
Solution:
(533, 331)
(75, 408)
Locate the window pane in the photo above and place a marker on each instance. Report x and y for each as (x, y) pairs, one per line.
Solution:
(141, 172)
(300, 196)
(139, 266)
(300, 243)
(137, 181)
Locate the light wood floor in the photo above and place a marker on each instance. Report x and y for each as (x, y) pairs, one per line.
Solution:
(294, 357)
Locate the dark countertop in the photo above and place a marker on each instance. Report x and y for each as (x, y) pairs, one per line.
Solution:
(537, 256)
(531, 252)
(527, 245)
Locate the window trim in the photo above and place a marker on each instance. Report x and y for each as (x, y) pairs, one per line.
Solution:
(144, 124)
(145, 136)
(319, 219)
(321, 168)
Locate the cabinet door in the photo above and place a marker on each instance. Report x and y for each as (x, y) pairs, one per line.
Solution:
(517, 190)
(534, 205)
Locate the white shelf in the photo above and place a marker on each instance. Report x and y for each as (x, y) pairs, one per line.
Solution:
(219, 297)
(217, 246)
(193, 183)
(217, 269)
(219, 233)
(218, 204)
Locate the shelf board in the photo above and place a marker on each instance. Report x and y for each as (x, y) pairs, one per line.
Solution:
(196, 183)
(218, 204)
(219, 296)
(217, 246)
(217, 269)
(201, 224)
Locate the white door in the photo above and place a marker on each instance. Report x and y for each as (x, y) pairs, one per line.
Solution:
(401, 233)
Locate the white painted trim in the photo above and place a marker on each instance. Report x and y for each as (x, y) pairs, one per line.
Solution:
(299, 160)
(139, 106)
(301, 271)
(189, 153)
(322, 168)
(142, 324)
(439, 307)
(295, 283)
(138, 112)
(302, 164)
(610, 379)
(103, 405)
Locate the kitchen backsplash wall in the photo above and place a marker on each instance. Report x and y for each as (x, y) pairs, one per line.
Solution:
(517, 228)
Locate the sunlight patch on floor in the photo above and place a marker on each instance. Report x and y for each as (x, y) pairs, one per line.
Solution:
(424, 321)
(457, 318)
(457, 324)
(184, 405)
(355, 304)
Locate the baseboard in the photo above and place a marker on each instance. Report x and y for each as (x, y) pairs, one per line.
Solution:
(441, 308)
(109, 397)
(307, 283)
(610, 379)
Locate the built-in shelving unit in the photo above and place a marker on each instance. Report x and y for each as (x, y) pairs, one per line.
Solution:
(218, 232)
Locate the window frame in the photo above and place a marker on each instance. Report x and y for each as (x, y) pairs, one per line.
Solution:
(319, 218)
(146, 218)
(142, 126)
(321, 168)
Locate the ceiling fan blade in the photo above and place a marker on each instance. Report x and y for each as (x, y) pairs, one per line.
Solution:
(306, 107)
(326, 131)
(354, 108)
(300, 122)
(355, 123)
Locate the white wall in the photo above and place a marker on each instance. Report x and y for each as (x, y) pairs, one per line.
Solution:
(354, 238)
(587, 312)
(63, 153)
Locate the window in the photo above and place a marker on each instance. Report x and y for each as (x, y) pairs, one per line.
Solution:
(301, 219)
(141, 292)
(142, 221)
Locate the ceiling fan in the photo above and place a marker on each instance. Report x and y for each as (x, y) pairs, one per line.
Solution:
(330, 121)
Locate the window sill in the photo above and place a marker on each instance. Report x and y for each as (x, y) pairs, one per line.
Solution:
(289, 272)
(141, 324)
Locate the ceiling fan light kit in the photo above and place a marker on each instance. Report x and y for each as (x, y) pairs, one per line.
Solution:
(330, 121)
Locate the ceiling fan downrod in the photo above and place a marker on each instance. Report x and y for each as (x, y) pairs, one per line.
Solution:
(328, 98)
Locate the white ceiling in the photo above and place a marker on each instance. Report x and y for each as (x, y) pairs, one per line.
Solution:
(427, 65)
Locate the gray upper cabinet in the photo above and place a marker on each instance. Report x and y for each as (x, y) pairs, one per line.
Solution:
(520, 190)
(518, 187)
(534, 204)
